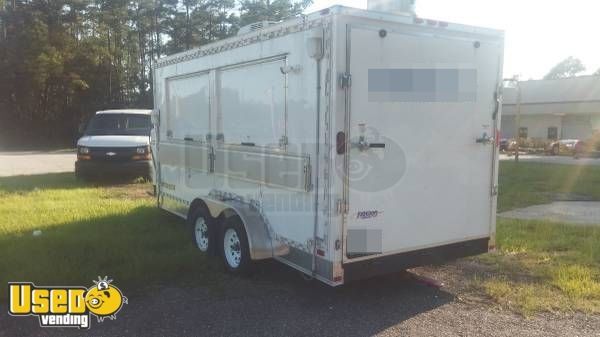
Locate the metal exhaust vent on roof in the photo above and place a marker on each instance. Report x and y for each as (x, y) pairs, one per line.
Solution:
(255, 26)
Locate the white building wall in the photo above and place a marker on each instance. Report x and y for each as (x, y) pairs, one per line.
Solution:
(569, 126)
(577, 127)
(537, 126)
(572, 105)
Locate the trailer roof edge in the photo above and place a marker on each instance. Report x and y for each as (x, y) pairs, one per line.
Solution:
(309, 21)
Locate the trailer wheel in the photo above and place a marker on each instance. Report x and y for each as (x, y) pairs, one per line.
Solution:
(202, 230)
(235, 250)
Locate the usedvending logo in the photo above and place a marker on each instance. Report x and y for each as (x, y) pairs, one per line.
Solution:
(66, 306)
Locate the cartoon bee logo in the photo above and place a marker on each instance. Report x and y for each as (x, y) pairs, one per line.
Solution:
(104, 299)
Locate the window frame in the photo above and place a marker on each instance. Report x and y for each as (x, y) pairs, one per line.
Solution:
(555, 132)
(222, 138)
(523, 130)
(168, 81)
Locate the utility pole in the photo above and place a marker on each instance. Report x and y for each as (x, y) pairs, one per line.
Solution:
(518, 119)
(517, 84)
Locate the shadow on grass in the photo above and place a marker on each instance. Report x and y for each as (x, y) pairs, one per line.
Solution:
(148, 251)
(150, 255)
(144, 247)
(65, 180)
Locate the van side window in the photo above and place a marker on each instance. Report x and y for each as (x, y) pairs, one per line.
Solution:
(252, 104)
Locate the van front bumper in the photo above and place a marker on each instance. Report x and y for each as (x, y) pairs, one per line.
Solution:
(135, 168)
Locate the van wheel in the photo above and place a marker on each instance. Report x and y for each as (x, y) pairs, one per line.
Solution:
(82, 176)
(235, 250)
(202, 230)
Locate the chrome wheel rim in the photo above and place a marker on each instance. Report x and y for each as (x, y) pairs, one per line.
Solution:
(232, 248)
(201, 234)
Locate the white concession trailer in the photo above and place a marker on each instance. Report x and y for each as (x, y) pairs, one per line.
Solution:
(346, 143)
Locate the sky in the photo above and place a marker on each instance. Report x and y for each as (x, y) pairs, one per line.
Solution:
(538, 33)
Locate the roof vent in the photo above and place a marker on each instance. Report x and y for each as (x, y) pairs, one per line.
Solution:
(393, 6)
(255, 26)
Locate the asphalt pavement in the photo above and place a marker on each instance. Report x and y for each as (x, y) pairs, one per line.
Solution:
(278, 302)
(572, 212)
(36, 162)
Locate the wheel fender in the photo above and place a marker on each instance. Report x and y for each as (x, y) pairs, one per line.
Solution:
(259, 239)
(197, 203)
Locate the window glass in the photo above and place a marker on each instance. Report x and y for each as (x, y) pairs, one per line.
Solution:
(522, 132)
(252, 104)
(119, 124)
(553, 133)
(188, 107)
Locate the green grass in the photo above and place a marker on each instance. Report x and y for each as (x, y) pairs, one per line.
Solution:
(540, 265)
(92, 230)
(525, 184)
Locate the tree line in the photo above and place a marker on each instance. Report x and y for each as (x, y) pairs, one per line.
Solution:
(62, 60)
(569, 67)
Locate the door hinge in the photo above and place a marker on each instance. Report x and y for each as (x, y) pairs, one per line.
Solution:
(341, 206)
(307, 176)
(345, 80)
(494, 190)
(283, 141)
(211, 159)
(498, 96)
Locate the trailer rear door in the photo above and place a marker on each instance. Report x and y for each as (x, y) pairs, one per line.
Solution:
(420, 164)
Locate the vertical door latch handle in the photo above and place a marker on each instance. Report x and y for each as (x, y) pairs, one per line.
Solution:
(484, 139)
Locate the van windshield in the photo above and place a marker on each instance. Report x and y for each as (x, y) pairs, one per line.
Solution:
(119, 124)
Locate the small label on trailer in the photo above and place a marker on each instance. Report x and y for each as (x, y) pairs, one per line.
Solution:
(367, 214)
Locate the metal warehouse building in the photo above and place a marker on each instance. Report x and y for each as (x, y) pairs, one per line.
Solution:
(554, 109)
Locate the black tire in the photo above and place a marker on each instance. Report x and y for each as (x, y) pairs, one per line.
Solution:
(81, 176)
(150, 174)
(245, 263)
(203, 237)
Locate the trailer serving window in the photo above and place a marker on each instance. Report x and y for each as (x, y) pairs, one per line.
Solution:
(252, 103)
(188, 107)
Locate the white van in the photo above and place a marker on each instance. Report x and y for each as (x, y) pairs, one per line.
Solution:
(345, 143)
(116, 142)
